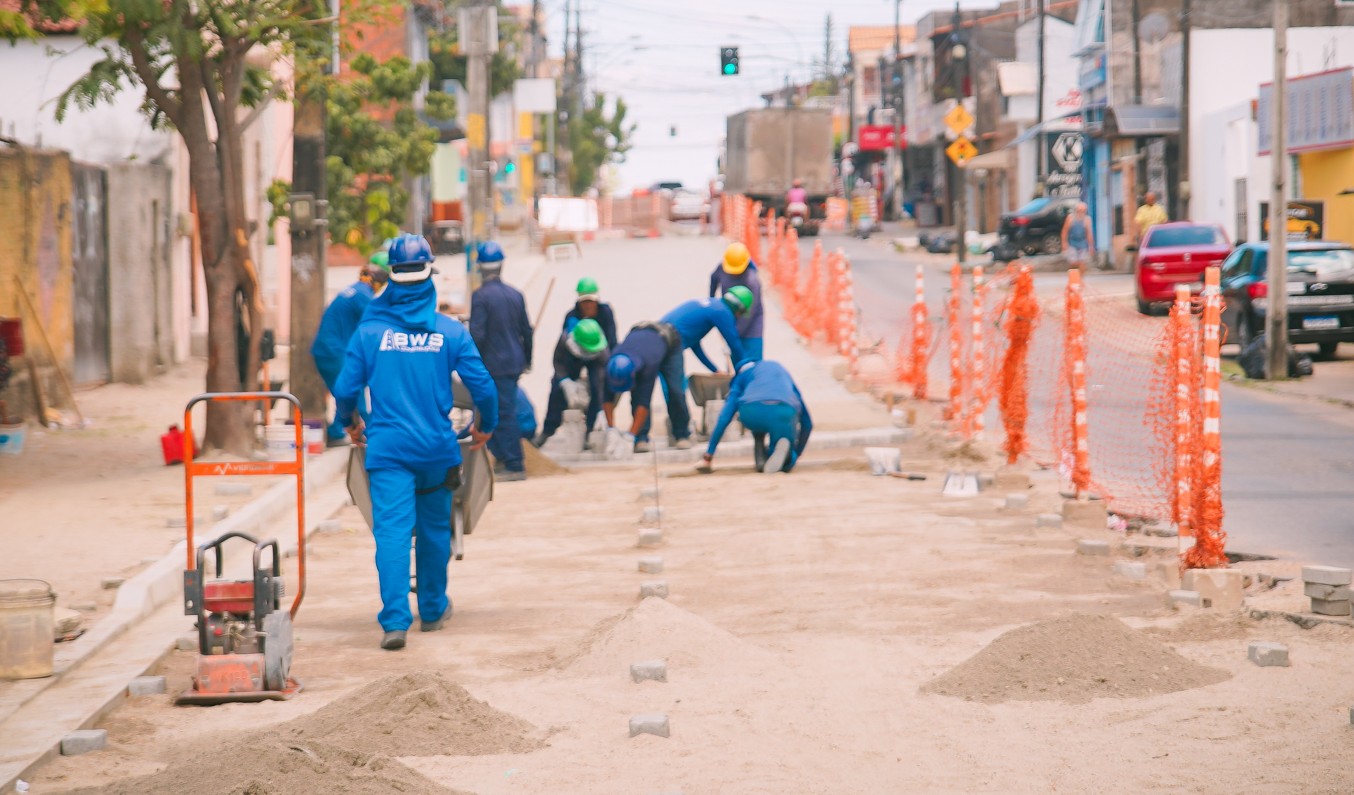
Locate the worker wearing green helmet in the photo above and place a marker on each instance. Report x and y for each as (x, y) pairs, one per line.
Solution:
(583, 349)
(590, 305)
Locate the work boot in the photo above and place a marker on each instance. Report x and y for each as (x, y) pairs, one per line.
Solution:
(642, 447)
(538, 441)
(775, 462)
(510, 476)
(682, 444)
(393, 640)
(433, 626)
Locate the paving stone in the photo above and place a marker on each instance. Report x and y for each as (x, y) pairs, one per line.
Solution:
(650, 537)
(84, 741)
(1181, 597)
(1086, 513)
(649, 671)
(1332, 592)
(1265, 654)
(654, 723)
(1048, 520)
(1327, 575)
(649, 493)
(329, 526)
(1223, 589)
(1017, 502)
(651, 565)
(1088, 546)
(231, 489)
(186, 642)
(1330, 607)
(109, 583)
(651, 515)
(147, 686)
(657, 588)
(1130, 569)
(220, 512)
(987, 479)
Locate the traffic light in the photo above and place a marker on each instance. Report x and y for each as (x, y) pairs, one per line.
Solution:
(728, 60)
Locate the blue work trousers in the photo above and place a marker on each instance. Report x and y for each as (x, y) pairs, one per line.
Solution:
(397, 512)
(752, 348)
(776, 420)
(672, 375)
(554, 408)
(506, 443)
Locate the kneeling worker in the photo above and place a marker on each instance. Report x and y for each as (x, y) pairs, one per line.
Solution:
(768, 403)
(404, 352)
(582, 349)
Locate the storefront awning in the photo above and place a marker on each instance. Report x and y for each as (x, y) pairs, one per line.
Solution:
(1000, 160)
(1069, 123)
(1141, 121)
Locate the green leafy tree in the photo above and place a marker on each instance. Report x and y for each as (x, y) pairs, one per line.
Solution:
(190, 61)
(448, 64)
(596, 139)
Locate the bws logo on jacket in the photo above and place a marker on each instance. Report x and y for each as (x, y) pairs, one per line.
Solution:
(422, 342)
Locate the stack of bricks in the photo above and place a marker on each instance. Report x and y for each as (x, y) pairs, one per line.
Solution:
(1328, 588)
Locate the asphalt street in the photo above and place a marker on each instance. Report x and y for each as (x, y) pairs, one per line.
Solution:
(1288, 462)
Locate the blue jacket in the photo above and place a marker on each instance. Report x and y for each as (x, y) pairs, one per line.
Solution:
(336, 328)
(499, 325)
(405, 353)
(765, 381)
(694, 319)
(647, 349)
(605, 318)
(749, 325)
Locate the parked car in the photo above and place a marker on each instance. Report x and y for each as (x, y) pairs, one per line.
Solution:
(1035, 228)
(1176, 253)
(1320, 293)
(687, 206)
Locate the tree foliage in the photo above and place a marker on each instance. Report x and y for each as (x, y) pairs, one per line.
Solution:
(448, 64)
(596, 139)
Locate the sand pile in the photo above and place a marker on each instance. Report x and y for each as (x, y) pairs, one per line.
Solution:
(415, 714)
(657, 629)
(346, 746)
(1072, 659)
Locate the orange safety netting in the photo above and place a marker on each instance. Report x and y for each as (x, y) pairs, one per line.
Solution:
(1021, 317)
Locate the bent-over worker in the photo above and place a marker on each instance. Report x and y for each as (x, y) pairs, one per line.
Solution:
(768, 403)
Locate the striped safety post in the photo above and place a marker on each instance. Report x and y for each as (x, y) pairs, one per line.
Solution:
(977, 357)
(956, 408)
(1209, 538)
(921, 337)
(1074, 347)
(1182, 349)
(846, 309)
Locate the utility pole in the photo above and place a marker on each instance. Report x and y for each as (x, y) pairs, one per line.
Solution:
(959, 55)
(1276, 314)
(1186, 22)
(897, 84)
(535, 70)
(1041, 148)
(479, 32)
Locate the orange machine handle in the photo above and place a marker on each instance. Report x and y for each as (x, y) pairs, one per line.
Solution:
(192, 468)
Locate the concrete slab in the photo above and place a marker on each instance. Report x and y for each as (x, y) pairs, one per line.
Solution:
(651, 565)
(1331, 607)
(658, 588)
(649, 671)
(650, 537)
(1220, 588)
(84, 741)
(654, 723)
(1331, 592)
(1266, 655)
(651, 515)
(1327, 575)
(147, 686)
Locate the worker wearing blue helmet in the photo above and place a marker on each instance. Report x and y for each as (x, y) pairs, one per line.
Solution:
(403, 355)
(649, 351)
(501, 329)
(337, 326)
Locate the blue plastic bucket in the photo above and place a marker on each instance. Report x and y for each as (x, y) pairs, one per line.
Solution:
(12, 439)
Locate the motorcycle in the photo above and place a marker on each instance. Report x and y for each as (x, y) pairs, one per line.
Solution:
(797, 213)
(865, 225)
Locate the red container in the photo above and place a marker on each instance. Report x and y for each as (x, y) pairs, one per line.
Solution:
(12, 332)
(171, 444)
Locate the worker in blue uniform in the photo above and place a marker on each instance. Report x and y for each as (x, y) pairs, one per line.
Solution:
(591, 306)
(337, 326)
(404, 354)
(499, 325)
(581, 350)
(694, 319)
(649, 351)
(768, 403)
(737, 268)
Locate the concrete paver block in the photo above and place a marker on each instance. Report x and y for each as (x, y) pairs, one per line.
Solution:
(1048, 520)
(1182, 597)
(649, 671)
(231, 489)
(1017, 502)
(657, 588)
(654, 723)
(220, 512)
(650, 537)
(1086, 513)
(987, 479)
(329, 526)
(186, 642)
(1265, 654)
(651, 565)
(649, 493)
(1131, 569)
(1223, 589)
(651, 515)
(1327, 575)
(1332, 592)
(84, 741)
(1087, 546)
(1330, 607)
(109, 583)
(147, 686)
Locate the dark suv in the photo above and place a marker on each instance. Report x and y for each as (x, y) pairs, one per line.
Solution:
(1035, 228)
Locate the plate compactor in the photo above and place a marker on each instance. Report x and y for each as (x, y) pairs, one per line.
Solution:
(244, 633)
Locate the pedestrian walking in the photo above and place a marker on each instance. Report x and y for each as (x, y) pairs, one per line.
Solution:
(738, 269)
(582, 350)
(590, 305)
(1149, 214)
(337, 326)
(499, 325)
(768, 403)
(403, 355)
(1078, 244)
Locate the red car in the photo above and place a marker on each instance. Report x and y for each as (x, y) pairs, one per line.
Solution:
(1176, 253)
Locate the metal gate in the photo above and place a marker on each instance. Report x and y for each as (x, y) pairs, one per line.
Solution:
(89, 252)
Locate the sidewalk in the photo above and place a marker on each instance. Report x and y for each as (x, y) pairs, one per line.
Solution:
(1331, 381)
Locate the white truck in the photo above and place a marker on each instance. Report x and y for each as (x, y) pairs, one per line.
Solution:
(767, 149)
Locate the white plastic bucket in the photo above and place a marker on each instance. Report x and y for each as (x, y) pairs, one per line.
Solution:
(12, 438)
(279, 442)
(314, 440)
(884, 460)
(27, 629)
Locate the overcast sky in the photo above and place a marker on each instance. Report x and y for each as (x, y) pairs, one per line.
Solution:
(663, 58)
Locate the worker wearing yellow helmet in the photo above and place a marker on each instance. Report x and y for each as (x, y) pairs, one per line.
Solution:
(738, 269)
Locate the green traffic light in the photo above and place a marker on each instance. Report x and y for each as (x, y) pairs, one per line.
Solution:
(510, 167)
(729, 68)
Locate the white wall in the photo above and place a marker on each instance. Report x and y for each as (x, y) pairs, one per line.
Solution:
(1227, 68)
